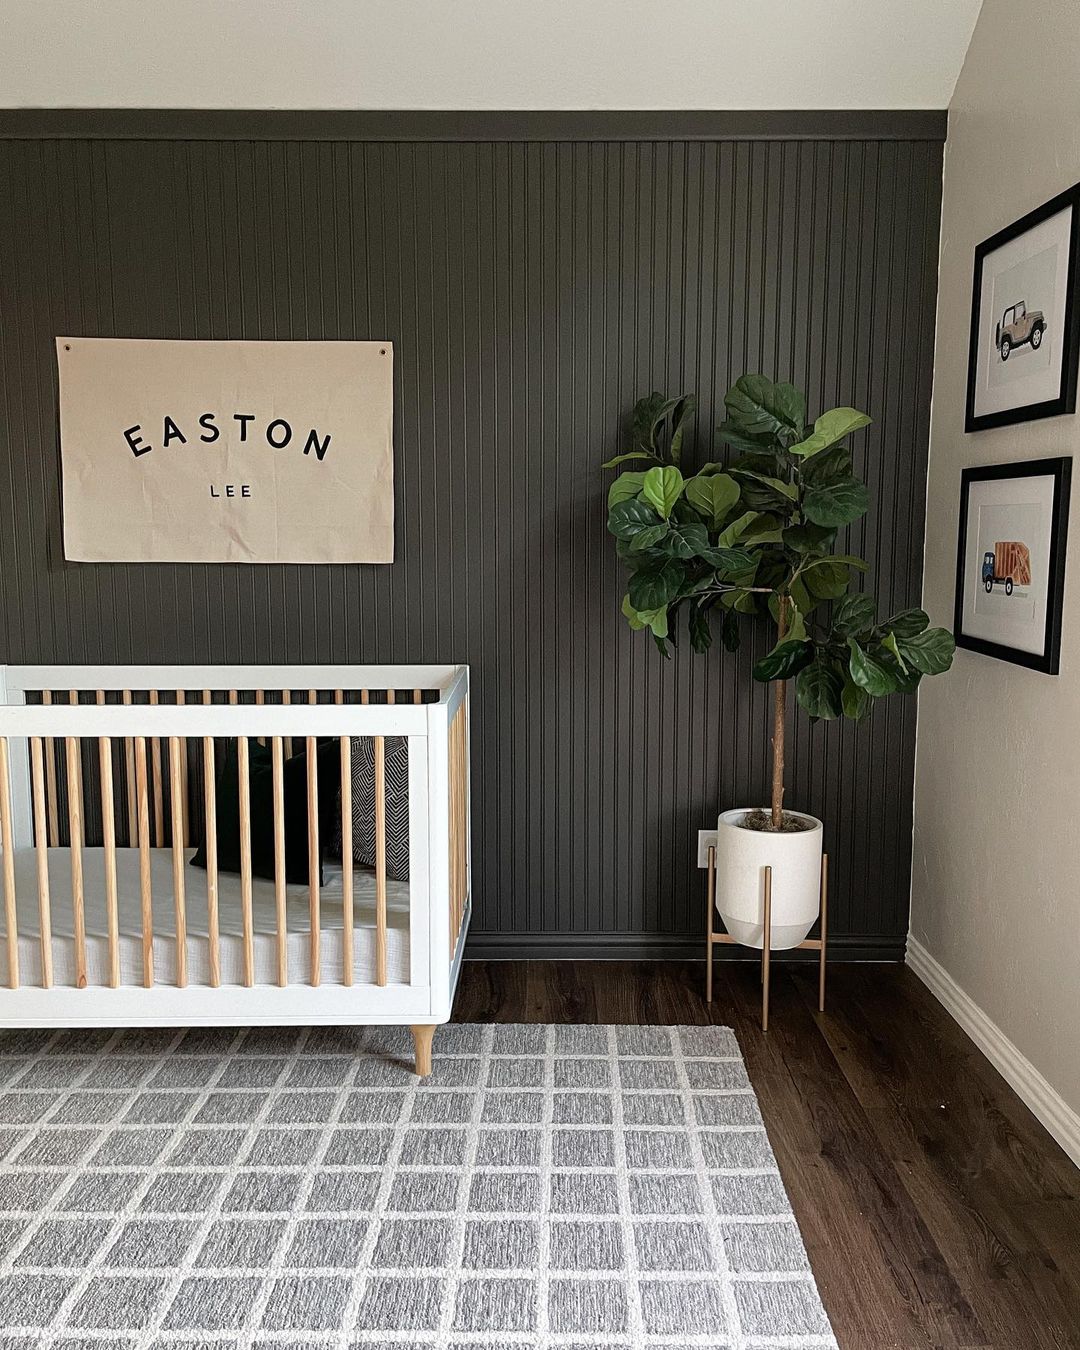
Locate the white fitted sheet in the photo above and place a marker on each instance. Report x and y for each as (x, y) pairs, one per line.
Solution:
(229, 922)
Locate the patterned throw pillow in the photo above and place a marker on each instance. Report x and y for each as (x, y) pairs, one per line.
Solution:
(397, 803)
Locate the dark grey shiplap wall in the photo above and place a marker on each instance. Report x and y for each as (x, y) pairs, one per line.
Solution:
(532, 288)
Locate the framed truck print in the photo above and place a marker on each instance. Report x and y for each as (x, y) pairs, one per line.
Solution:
(1010, 561)
(1025, 320)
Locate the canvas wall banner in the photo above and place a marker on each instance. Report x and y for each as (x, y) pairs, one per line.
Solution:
(226, 451)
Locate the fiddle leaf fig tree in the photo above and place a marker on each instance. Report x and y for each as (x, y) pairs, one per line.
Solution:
(759, 535)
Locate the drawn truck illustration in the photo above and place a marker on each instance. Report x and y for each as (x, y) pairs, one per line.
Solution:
(1009, 565)
(1019, 325)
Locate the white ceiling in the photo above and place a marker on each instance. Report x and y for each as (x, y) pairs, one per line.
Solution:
(515, 54)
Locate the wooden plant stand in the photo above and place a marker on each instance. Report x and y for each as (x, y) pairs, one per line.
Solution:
(812, 944)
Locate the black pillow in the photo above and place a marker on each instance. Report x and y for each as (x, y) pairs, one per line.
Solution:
(261, 789)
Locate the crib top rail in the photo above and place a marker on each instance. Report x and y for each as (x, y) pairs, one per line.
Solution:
(164, 714)
(220, 678)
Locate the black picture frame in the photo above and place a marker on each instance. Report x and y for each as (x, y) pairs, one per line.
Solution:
(1065, 402)
(1060, 469)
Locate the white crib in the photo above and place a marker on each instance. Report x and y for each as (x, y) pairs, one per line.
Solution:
(108, 780)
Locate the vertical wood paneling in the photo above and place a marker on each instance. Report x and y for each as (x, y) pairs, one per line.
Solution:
(532, 291)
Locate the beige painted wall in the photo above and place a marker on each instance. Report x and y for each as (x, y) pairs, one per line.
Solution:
(996, 884)
(482, 53)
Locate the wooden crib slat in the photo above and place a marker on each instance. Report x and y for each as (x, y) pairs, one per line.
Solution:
(108, 827)
(245, 861)
(286, 698)
(380, 860)
(53, 835)
(210, 804)
(145, 891)
(129, 778)
(313, 850)
(75, 829)
(7, 839)
(260, 699)
(347, 910)
(76, 770)
(176, 798)
(155, 760)
(279, 862)
(41, 848)
(185, 822)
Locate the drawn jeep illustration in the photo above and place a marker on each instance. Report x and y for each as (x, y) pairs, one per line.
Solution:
(1007, 565)
(1019, 325)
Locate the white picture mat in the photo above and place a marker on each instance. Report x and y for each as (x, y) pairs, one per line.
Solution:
(1008, 509)
(1041, 380)
(237, 498)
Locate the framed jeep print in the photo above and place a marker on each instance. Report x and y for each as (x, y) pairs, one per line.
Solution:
(1010, 561)
(1025, 320)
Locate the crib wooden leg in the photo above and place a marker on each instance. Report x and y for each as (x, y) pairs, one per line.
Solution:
(422, 1039)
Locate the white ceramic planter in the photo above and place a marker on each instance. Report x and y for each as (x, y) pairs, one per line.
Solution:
(795, 859)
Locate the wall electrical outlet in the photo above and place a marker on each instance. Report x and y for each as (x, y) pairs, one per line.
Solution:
(706, 839)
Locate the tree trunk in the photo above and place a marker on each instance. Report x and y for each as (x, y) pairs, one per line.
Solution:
(779, 720)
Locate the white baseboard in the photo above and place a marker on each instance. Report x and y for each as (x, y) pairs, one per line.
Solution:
(1017, 1070)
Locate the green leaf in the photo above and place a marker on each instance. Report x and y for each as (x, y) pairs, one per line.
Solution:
(930, 652)
(827, 578)
(731, 433)
(804, 601)
(836, 503)
(732, 560)
(713, 495)
(737, 528)
(648, 414)
(744, 602)
(788, 490)
(819, 688)
(869, 672)
(729, 631)
(680, 416)
(908, 623)
(627, 519)
(662, 488)
(646, 538)
(853, 614)
(622, 459)
(830, 427)
(808, 538)
(634, 619)
(761, 408)
(688, 540)
(889, 643)
(907, 681)
(656, 619)
(827, 467)
(626, 486)
(786, 659)
(856, 702)
(656, 587)
(765, 530)
(796, 626)
(700, 632)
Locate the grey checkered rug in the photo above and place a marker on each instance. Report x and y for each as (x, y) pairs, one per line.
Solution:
(548, 1186)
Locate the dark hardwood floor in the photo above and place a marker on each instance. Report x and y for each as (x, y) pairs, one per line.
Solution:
(936, 1210)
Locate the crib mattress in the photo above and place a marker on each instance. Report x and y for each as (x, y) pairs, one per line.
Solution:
(230, 930)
